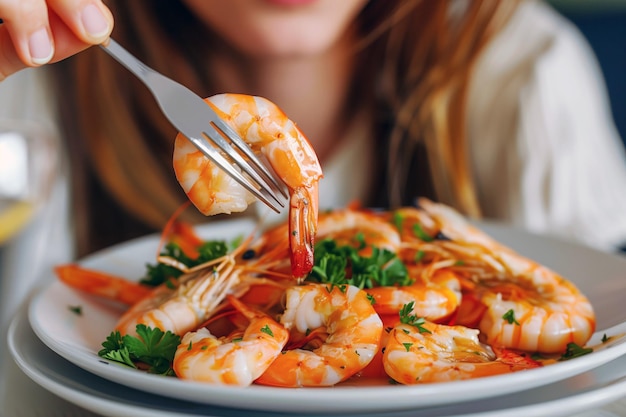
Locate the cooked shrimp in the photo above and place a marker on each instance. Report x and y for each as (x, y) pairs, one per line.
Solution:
(528, 306)
(434, 299)
(101, 284)
(234, 360)
(345, 225)
(269, 132)
(353, 331)
(543, 314)
(183, 304)
(438, 353)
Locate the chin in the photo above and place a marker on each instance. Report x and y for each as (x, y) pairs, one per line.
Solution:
(290, 42)
(291, 50)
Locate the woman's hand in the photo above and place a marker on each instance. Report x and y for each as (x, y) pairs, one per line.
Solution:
(35, 32)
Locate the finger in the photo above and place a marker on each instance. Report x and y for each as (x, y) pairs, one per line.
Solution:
(66, 43)
(25, 32)
(32, 35)
(90, 20)
(9, 61)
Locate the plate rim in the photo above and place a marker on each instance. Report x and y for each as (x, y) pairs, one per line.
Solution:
(334, 397)
(584, 401)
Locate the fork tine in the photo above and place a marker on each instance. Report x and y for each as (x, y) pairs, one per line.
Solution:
(214, 155)
(242, 146)
(218, 140)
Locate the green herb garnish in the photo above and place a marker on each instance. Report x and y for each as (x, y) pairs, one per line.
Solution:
(412, 320)
(574, 351)
(151, 346)
(267, 330)
(509, 316)
(160, 273)
(78, 310)
(419, 231)
(333, 262)
(398, 220)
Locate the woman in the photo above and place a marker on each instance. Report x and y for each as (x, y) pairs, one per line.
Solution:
(492, 107)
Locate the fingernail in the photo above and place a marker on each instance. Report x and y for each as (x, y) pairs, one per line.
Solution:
(94, 21)
(40, 47)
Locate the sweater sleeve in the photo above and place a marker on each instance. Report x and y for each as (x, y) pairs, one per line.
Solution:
(545, 150)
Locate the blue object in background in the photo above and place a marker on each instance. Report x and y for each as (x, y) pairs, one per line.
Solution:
(605, 29)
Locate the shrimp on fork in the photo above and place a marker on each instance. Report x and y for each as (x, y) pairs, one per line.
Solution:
(268, 131)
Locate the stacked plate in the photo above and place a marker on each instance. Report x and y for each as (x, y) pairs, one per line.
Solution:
(57, 348)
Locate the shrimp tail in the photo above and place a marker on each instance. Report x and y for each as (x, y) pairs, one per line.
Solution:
(302, 229)
(101, 284)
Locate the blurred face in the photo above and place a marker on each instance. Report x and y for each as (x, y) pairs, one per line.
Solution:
(278, 27)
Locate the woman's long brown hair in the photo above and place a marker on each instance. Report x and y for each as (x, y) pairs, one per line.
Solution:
(121, 145)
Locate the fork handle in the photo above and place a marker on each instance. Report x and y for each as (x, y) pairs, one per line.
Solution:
(125, 58)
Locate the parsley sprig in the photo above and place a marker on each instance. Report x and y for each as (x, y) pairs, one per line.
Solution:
(341, 264)
(509, 316)
(417, 229)
(574, 351)
(411, 319)
(152, 347)
(159, 273)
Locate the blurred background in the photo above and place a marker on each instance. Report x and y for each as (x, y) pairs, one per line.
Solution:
(603, 23)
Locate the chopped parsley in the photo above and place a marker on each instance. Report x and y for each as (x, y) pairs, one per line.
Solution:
(152, 347)
(160, 273)
(509, 316)
(411, 319)
(341, 265)
(574, 351)
(267, 330)
(78, 310)
(398, 219)
(419, 231)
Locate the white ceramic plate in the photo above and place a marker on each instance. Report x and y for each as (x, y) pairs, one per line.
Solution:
(78, 338)
(586, 391)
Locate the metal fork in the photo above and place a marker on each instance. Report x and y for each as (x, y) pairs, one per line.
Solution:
(200, 124)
